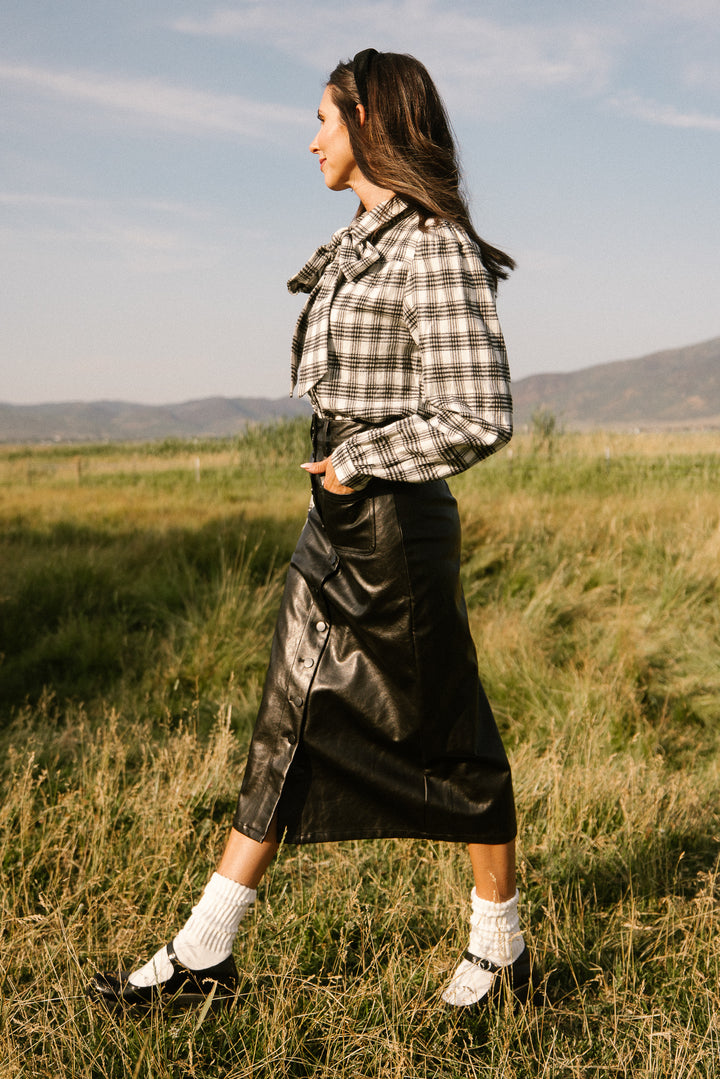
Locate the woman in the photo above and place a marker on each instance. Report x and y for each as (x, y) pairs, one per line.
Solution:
(373, 721)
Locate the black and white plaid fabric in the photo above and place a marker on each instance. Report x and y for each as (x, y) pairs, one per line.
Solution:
(400, 326)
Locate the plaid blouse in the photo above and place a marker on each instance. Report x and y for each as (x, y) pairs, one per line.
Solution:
(400, 329)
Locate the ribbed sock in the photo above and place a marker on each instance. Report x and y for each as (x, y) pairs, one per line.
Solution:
(494, 935)
(207, 936)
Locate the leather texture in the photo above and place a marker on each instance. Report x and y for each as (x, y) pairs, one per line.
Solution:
(183, 989)
(373, 721)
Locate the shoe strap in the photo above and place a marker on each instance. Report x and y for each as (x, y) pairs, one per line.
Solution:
(177, 965)
(199, 975)
(483, 964)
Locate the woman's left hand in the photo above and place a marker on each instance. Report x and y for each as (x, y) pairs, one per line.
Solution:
(332, 484)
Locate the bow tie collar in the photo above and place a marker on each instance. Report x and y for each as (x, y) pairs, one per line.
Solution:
(350, 247)
(351, 254)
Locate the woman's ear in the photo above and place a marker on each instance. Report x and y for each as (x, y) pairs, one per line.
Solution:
(361, 116)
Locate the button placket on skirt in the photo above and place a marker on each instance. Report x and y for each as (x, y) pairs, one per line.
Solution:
(311, 647)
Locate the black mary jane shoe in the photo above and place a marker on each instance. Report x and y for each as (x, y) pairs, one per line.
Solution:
(183, 989)
(511, 981)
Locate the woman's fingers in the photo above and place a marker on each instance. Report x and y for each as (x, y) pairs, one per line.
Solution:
(315, 467)
(332, 484)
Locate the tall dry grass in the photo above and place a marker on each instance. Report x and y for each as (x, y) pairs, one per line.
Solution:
(592, 589)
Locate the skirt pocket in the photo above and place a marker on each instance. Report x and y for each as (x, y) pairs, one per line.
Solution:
(349, 520)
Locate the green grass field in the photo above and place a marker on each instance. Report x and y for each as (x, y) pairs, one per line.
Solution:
(138, 588)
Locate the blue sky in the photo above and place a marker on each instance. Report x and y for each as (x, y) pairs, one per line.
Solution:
(156, 190)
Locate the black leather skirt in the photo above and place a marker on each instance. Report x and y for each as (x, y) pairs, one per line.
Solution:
(373, 721)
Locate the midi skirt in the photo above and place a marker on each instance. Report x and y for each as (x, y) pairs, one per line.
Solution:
(373, 721)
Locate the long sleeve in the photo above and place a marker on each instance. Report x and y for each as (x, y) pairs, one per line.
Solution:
(463, 407)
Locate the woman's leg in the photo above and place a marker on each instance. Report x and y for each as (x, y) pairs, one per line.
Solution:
(207, 937)
(245, 860)
(493, 868)
(495, 937)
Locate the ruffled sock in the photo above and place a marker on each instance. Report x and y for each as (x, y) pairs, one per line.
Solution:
(494, 935)
(207, 936)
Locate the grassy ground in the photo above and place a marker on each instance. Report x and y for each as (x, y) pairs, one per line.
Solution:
(138, 587)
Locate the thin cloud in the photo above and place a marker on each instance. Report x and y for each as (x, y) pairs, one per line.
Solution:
(703, 75)
(146, 250)
(471, 52)
(143, 235)
(690, 11)
(160, 105)
(136, 248)
(75, 202)
(654, 112)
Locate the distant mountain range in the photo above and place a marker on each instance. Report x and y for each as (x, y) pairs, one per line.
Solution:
(676, 388)
(120, 421)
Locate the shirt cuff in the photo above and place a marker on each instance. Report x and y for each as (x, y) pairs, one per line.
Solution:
(346, 470)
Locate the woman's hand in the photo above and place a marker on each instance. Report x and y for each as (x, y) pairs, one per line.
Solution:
(332, 484)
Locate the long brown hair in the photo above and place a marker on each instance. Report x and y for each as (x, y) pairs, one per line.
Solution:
(406, 144)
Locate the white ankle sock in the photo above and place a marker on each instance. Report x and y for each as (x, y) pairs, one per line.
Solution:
(494, 935)
(208, 934)
(495, 930)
